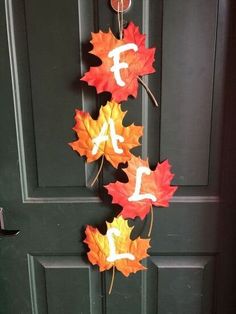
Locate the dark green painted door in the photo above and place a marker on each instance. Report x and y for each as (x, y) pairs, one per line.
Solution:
(44, 185)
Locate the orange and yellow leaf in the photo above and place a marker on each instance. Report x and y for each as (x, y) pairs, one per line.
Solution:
(88, 130)
(100, 247)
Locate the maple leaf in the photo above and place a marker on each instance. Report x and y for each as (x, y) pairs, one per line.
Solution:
(106, 135)
(144, 188)
(123, 61)
(115, 248)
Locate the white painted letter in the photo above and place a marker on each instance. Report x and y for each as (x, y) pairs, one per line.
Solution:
(113, 256)
(115, 54)
(136, 196)
(102, 138)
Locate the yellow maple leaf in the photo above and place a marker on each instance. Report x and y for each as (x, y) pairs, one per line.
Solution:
(106, 135)
(115, 248)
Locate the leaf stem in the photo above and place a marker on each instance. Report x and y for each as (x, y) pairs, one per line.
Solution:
(99, 171)
(148, 91)
(151, 223)
(112, 280)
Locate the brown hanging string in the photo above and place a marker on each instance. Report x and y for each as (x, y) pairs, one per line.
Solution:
(120, 16)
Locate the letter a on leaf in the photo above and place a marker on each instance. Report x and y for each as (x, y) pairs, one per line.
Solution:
(123, 61)
(144, 188)
(106, 135)
(115, 248)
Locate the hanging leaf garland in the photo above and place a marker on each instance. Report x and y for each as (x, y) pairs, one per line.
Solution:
(144, 188)
(123, 62)
(105, 136)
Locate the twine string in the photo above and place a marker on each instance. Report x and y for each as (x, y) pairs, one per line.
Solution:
(120, 16)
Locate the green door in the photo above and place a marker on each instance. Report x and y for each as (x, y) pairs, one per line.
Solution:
(44, 185)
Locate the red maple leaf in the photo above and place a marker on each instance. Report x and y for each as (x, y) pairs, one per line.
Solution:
(123, 61)
(144, 188)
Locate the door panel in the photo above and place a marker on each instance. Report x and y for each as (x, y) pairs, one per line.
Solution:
(188, 52)
(184, 284)
(45, 186)
(59, 282)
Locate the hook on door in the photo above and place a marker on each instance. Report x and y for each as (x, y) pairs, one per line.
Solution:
(3, 231)
(120, 5)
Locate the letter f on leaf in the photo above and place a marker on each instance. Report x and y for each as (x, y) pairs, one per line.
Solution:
(123, 62)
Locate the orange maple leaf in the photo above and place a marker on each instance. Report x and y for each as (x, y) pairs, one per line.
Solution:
(106, 135)
(123, 61)
(115, 248)
(144, 188)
